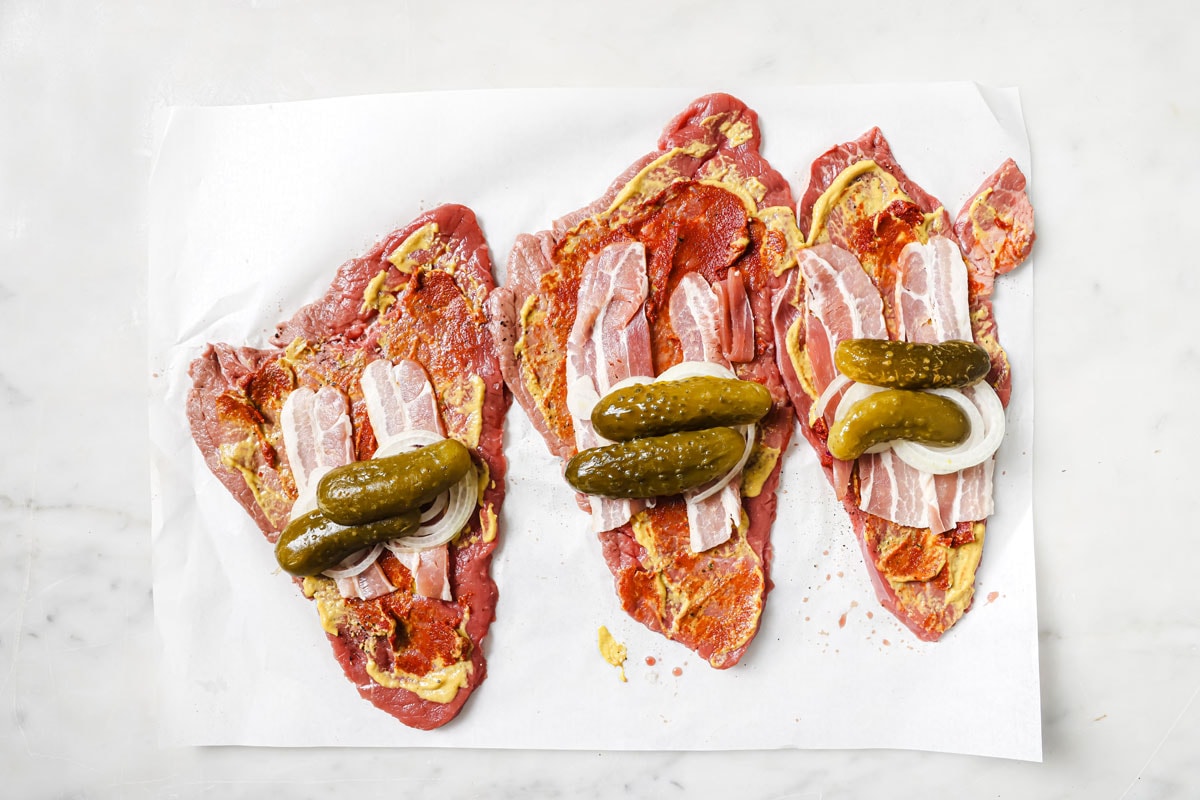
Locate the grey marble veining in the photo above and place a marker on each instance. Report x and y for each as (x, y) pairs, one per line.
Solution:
(1108, 95)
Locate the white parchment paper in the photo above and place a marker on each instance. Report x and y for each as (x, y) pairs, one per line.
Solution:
(254, 207)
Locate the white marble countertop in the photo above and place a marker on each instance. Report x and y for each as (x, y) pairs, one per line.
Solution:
(1113, 117)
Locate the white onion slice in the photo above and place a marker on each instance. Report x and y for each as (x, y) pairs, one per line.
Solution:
(835, 385)
(305, 503)
(435, 508)
(355, 564)
(695, 369)
(856, 392)
(582, 398)
(408, 440)
(975, 450)
(748, 432)
(684, 369)
(459, 508)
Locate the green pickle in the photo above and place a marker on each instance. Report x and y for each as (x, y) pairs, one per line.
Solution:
(366, 491)
(912, 365)
(897, 414)
(312, 543)
(688, 404)
(656, 465)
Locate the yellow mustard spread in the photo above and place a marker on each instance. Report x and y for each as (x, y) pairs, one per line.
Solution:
(422, 238)
(437, 686)
(613, 651)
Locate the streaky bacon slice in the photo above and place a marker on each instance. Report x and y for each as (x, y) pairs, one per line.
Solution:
(695, 318)
(299, 439)
(609, 341)
(971, 495)
(933, 300)
(367, 585)
(400, 398)
(331, 422)
(931, 293)
(785, 314)
(736, 318)
(428, 568)
(317, 437)
(931, 304)
(318, 428)
(891, 489)
(842, 304)
(841, 295)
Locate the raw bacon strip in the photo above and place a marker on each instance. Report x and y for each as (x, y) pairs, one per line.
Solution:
(931, 293)
(428, 568)
(367, 585)
(842, 297)
(431, 569)
(317, 437)
(610, 341)
(695, 318)
(931, 307)
(892, 490)
(529, 261)
(889, 488)
(726, 332)
(400, 398)
(785, 313)
(971, 496)
(737, 318)
(842, 304)
(332, 422)
(932, 300)
(299, 440)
